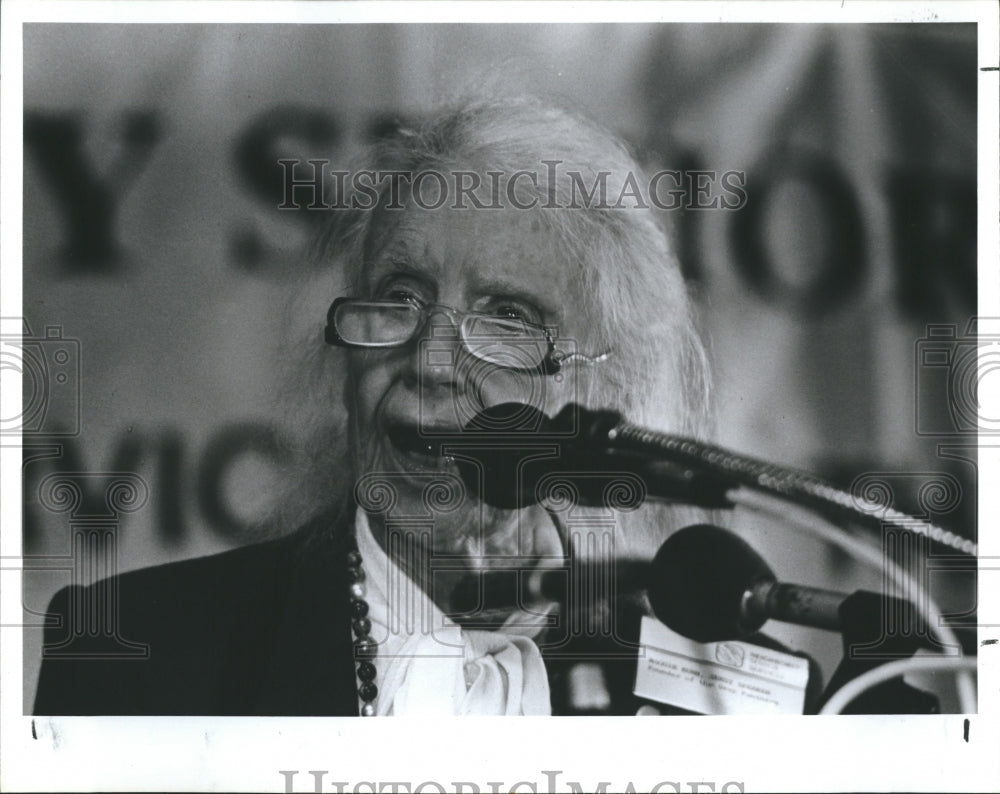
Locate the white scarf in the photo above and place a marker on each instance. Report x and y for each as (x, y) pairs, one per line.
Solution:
(427, 665)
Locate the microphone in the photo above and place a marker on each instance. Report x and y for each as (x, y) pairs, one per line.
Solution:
(512, 455)
(671, 467)
(486, 598)
(708, 584)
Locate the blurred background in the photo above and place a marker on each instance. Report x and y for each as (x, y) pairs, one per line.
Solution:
(836, 304)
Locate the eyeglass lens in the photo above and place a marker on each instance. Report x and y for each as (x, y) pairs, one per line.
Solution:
(376, 324)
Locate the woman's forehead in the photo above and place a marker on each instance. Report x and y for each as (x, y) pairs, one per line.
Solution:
(478, 249)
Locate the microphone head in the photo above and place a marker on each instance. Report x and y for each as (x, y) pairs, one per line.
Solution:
(507, 452)
(698, 579)
(490, 458)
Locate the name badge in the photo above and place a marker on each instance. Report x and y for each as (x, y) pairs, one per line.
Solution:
(732, 677)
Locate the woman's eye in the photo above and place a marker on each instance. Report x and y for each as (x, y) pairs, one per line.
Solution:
(515, 311)
(400, 294)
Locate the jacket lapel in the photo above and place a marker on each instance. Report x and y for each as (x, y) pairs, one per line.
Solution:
(311, 667)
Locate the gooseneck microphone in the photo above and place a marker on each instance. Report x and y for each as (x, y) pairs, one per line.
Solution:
(586, 444)
(709, 584)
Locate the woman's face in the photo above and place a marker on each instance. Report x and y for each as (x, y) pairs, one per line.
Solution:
(500, 262)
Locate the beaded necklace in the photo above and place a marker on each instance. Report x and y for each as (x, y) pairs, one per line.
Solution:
(365, 648)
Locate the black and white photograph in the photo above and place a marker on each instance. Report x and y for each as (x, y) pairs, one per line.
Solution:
(453, 360)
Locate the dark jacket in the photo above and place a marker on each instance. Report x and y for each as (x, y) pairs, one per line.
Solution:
(260, 630)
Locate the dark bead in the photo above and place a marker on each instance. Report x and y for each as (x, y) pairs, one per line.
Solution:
(356, 574)
(365, 648)
(362, 627)
(366, 671)
(353, 559)
(359, 608)
(368, 691)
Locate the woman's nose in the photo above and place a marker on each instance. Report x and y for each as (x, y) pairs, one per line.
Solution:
(438, 348)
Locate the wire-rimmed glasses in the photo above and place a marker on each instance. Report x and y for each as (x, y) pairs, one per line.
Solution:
(507, 342)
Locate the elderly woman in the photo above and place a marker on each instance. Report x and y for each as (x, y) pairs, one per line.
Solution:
(502, 252)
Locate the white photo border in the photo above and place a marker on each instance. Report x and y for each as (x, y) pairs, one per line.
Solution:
(775, 754)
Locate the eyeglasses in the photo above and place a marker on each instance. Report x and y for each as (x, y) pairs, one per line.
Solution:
(507, 342)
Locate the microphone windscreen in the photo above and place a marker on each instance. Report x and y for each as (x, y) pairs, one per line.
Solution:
(513, 455)
(490, 458)
(698, 579)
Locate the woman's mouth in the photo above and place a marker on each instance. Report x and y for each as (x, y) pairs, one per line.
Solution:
(415, 451)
